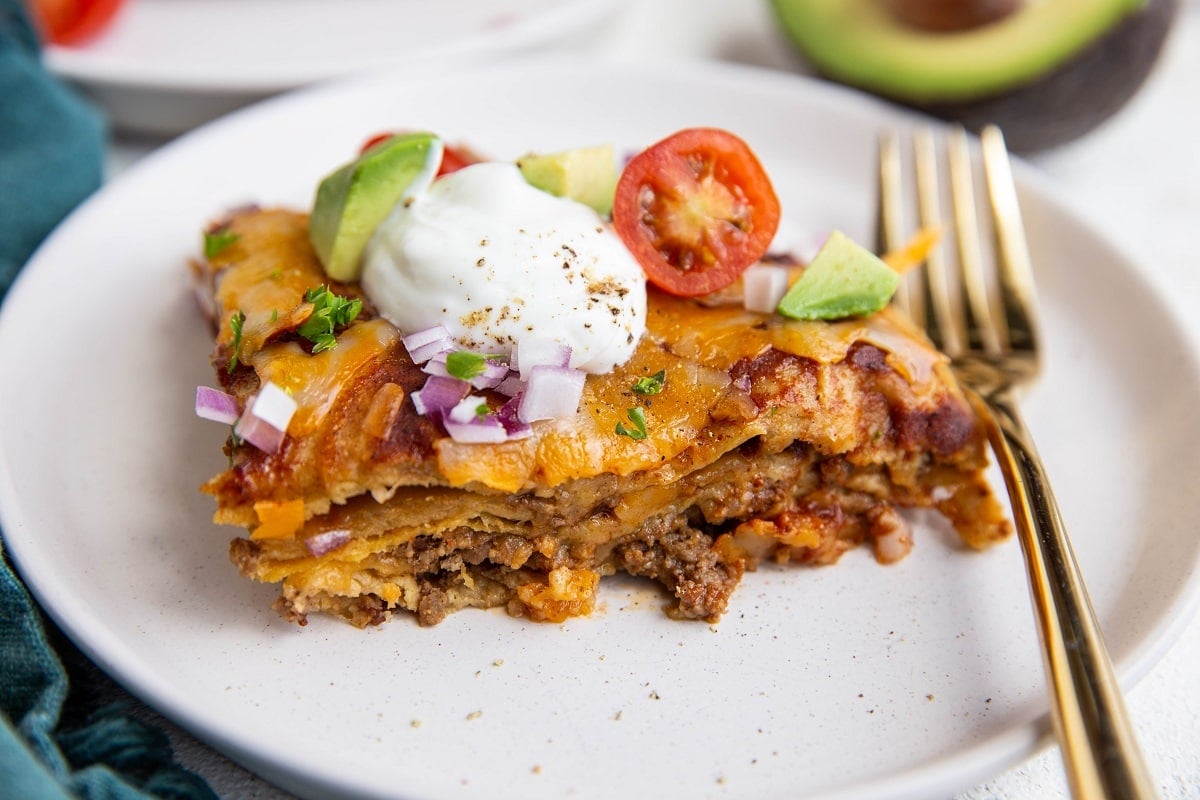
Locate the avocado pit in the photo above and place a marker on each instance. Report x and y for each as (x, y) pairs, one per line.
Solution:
(1046, 71)
(951, 15)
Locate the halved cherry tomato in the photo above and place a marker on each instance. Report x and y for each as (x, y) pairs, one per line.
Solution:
(72, 21)
(374, 140)
(454, 157)
(696, 210)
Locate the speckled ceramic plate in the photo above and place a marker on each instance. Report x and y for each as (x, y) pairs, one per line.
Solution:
(857, 681)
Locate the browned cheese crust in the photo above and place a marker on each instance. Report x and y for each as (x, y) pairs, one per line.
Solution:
(772, 440)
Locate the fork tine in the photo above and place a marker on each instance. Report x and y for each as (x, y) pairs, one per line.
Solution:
(981, 317)
(943, 324)
(1012, 252)
(889, 232)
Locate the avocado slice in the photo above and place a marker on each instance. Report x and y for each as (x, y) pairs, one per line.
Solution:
(355, 199)
(844, 279)
(585, 174)
(1046, 72)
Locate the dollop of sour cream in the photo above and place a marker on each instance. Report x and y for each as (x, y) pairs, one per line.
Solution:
(496, 260)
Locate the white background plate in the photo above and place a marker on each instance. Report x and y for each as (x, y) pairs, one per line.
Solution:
(915, 680)
(163, 66)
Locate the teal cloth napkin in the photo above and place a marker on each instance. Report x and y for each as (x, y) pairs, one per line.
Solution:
(51, 145)
(57, 740)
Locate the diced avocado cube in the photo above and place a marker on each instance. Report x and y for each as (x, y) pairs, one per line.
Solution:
(844, 279)
(585, 174)
(355, 199)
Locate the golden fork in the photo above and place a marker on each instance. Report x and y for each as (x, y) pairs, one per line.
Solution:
(989, 330)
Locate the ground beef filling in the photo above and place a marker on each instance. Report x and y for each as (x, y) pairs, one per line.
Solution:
(697, 554)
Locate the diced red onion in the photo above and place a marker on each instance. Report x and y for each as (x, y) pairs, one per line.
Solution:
(424, 344)
(494, 371)
(764, 285)
(552, 392)
(507, 414)
(274, 406)
(481, 430)
(533, 351)
(216, 405)
(327, 541)
(467, 409)
(437, 366)
(439, 395)
(261, 434)
(426, 336)
(555, 392)
(511, 386)
(265, 419)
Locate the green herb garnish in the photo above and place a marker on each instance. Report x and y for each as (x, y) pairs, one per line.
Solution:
(217, 241)
(464, 365)
(330, 312)
(652, 384)
(638, 418)
(235, 325)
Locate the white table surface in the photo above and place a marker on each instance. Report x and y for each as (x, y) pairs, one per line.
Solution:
(1137, 178)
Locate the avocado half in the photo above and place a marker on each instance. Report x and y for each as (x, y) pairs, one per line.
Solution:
(1046, 72)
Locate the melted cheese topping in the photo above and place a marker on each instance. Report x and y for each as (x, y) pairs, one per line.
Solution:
(316, 381)
(720, 336)
(695, 344)
(711, 341)
(264, 275)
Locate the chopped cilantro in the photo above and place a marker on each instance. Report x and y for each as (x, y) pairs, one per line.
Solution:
(482, 409)
(464, 365)
(330, 312)
(638, 418)
(322, 342)
(651, 384)
(217, 241)
(235, 325)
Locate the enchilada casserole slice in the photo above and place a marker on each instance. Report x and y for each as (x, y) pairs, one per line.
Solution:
(767, 440)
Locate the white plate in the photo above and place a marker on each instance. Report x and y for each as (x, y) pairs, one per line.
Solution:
(857, 681)
(164, 66)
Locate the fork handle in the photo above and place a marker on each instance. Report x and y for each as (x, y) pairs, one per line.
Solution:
(1099, 748)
